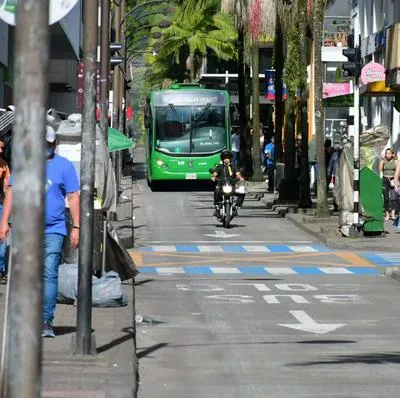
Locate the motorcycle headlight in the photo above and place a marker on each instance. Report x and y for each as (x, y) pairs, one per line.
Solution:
(227, 188)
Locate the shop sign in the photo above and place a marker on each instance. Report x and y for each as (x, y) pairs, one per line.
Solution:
(58, 10)
(335, 90)
(372, 72)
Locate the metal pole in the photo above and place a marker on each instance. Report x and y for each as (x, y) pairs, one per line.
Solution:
(122, 73)
(356, 182)
(356, 147)
(116, 94)
(24, 348)
(104, 66)
(84, 306)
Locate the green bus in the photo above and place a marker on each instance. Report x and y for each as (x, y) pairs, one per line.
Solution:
(188, 127)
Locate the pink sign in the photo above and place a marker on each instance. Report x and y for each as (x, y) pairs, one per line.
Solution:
(335, 89)
(372, 72)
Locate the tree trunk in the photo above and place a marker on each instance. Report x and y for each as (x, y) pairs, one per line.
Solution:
(289, 186)
(257, 174)
(322, 199)
(243, 118)
(305, 196)
(279, 104)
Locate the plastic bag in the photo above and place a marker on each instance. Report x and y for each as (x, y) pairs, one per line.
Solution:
(67, 283)
(107, 291)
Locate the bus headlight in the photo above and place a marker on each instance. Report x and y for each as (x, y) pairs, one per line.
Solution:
(160, 163)
(227, 188)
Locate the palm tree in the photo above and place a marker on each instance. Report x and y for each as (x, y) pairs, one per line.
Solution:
(261, 21)
(239, 10)
(319, 7)
(305, 195)
(202, 29)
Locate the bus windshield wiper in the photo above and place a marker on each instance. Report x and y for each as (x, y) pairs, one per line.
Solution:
(204, 110)
(171, 106)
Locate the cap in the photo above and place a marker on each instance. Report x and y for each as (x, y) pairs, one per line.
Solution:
(50, 134)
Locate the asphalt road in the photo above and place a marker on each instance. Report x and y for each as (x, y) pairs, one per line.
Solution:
(265, 312)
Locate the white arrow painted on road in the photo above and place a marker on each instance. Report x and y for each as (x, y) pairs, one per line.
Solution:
(307, 324)
(222, 235)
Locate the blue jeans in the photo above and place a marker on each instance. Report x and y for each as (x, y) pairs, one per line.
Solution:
(3, 246)
(235, 158)
(53, 245)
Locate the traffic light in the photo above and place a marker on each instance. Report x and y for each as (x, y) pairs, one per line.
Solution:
(352, 68)
(115, 59)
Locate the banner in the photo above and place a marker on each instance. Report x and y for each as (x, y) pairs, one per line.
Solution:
(270, 86)
(335, 90)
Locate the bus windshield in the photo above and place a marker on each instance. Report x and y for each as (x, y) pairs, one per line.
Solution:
(190, 129)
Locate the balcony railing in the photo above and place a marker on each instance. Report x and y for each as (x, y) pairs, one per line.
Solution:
(336, 31)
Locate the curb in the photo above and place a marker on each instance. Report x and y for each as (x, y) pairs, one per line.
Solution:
(341, 243)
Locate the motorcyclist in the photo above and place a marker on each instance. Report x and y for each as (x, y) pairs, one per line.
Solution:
(225, 170)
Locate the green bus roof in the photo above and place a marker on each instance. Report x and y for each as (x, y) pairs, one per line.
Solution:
(179, 86)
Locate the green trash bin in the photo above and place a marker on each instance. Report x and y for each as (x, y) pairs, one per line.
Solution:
(371, 199)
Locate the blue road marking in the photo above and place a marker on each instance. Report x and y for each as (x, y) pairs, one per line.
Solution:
(363, 271)
(188, 249)
(383, 259)
(307, 270)
(237, 248)
(253, 271)
(234, 249)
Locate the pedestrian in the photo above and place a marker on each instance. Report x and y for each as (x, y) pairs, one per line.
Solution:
(270, 163)
(332, 173)
(387, 166)
(235, 147)
(61, 183)
(4, 180)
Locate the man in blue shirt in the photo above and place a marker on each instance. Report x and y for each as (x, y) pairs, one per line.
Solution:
(61, 183)
(270, 162)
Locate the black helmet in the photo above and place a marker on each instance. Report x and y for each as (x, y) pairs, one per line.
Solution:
(226, 155)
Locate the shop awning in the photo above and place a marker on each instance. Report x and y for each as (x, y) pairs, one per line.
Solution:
(118, 141)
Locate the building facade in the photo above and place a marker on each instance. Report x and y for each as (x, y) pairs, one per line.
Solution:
(378, 24)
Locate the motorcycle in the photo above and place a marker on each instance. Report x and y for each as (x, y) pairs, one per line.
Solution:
(231, 190)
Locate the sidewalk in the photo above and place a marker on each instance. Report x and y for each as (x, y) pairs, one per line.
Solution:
(109, 374)
(327, 229)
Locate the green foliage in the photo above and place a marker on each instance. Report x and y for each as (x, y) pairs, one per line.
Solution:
(292, 71)
(197, 27)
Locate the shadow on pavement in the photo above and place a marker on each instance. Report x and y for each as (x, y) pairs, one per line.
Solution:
(149, 350)
(369, 359)
(143, 282)
(61, 330)
(129, 335)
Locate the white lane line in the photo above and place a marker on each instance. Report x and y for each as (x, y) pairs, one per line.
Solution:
(225, 270)
(256, 249)
(164, 248)
(335, 270)
(280, 271)
(210, 249)
(304, 249)
(170, 270)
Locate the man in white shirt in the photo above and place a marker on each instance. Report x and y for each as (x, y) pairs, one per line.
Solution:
(235, 139)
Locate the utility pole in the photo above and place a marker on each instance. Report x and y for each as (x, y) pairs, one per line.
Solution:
(84, 343)
(23, 376)
(353, 69)
(104, 66)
